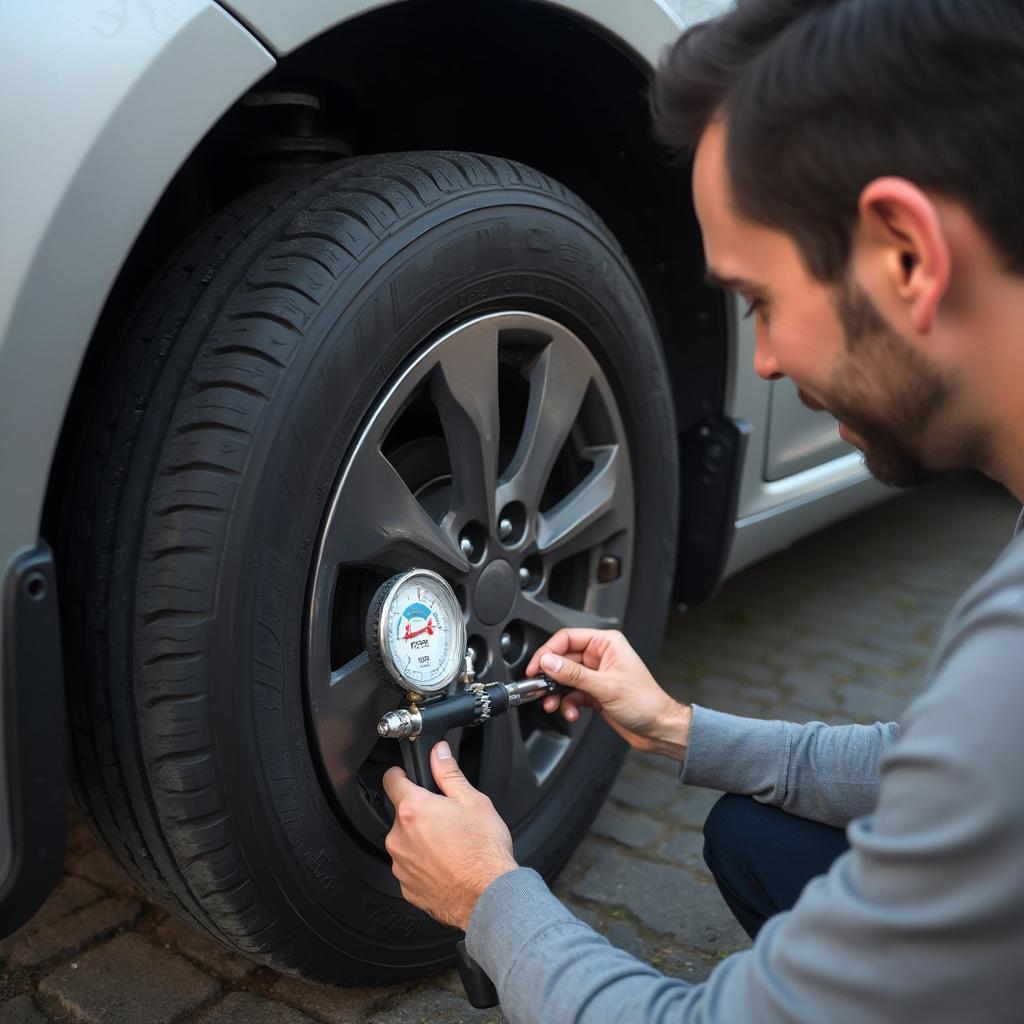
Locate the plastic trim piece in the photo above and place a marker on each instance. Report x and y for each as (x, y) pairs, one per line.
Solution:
(33, 827)
(711, 455)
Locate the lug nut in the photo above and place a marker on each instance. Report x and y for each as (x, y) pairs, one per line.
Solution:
(609, 568)
(524, 575)
(467, 547)
(506, 643)
(505, 529)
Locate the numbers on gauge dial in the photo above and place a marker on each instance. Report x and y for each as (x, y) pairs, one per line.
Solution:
(421, 634)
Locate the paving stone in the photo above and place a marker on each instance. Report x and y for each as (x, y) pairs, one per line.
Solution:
(642, 761)
(435, 1006)
(21, 1010)
(98, 866)
(625, 937)
(586, 915)
(74, 932)
(210, 954)
(687, 848)
(692, 805)
(644, 789)
(787, 660)
(127, 981)
(667, 957)
(810, 681)
(327, 1003)
(761, 694)
(665, 898)
(625, 827)
(822, 675)
(751, 672)
(246, 1008)
(717, 688)
(865, 702)
(70, 895)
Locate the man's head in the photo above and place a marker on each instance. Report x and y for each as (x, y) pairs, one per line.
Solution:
(856, 179)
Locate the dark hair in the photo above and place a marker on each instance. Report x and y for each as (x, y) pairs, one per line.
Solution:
(821, 97)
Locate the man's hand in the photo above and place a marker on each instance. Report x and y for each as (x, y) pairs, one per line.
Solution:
(445, 849)
(606, 674)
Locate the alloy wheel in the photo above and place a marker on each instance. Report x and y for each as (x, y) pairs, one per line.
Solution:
(497, 458)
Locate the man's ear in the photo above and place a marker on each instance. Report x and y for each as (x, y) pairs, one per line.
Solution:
(901, 228)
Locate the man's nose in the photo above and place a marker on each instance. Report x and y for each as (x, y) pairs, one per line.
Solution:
(765, 364)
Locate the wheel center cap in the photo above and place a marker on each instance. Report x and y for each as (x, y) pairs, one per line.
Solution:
(495, 592)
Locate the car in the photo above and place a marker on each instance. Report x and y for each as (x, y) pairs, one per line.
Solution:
(301, 296)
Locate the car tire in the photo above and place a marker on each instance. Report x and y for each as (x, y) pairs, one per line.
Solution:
(216, 480)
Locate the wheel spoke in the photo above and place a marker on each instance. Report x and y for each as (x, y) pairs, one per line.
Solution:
(465, 391)
(378, 522)
(506, 774)
(591, 513)
(558, 382)
(346, 709)
(549, 616)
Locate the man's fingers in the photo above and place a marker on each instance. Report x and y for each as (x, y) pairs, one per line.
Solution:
(398, 785)
(575, 702)
(565, 670)
(568, 640)
(447, 773)
(571, 704)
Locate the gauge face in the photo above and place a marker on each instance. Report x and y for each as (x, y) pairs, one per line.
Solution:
(422, 633)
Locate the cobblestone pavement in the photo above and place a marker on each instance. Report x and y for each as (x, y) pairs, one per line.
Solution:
(838, 628)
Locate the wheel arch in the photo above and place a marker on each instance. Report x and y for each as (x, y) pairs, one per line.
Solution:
(493, 99)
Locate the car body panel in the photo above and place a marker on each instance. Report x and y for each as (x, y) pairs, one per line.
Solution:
(645, 26)
(97, 143)
(798, 438)
(772, 514)
(146, 83)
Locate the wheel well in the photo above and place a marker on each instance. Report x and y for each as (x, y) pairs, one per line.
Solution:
(512, 78)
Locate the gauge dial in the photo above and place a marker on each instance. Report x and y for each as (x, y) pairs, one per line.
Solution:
(420, 632)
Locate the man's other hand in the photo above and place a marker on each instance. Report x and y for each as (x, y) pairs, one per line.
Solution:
(446, 849)
(606, 674)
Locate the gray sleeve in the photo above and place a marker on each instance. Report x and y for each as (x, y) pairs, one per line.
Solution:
(828, 773)
(923, 919)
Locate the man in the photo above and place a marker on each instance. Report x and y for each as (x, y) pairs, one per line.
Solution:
(857, 181)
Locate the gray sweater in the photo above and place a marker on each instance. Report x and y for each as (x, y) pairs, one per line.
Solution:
(921, 920)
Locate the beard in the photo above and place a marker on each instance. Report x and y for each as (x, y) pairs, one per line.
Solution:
(887, 394)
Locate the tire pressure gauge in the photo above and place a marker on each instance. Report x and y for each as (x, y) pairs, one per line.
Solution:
(415, 632)
(416, 640)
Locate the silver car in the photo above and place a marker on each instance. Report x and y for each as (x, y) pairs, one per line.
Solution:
(298, 296)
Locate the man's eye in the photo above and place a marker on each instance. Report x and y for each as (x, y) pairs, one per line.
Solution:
(752, 307)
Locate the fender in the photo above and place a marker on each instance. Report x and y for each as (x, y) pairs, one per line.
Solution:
(643, 26)
(99, 136)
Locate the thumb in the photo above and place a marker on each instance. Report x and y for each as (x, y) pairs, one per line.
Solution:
(567, 671)
(447, 773)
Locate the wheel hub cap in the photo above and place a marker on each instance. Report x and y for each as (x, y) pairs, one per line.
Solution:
(495, 592)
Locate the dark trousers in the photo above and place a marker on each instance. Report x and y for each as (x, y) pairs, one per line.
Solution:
(762, 857)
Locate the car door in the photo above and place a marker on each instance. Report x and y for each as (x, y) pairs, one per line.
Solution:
(797, 437)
